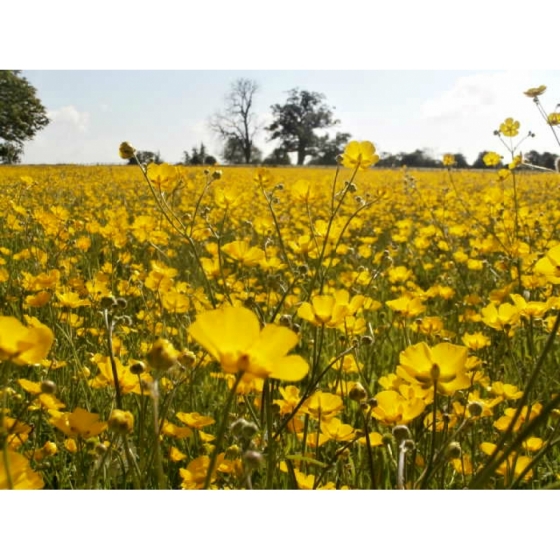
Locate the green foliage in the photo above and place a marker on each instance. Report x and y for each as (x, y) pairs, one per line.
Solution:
(233, 152)
(278, 156)
(198, 156)
(21, 114)
(145, 157)
(328, 148)
(546, 159)
(296, 121)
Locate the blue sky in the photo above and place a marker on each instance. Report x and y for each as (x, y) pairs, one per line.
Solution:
(92, 111)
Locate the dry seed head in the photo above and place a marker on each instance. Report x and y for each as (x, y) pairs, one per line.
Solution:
(107, 302)
(408, 445)
(253, 459)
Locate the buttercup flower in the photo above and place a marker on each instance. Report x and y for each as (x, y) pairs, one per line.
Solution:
(359, 154)
(491, 158)
(24, 345)
(449, 160)
(442, 366)
(80, 422)
(232, 335)
(535, 92)
(510, 127)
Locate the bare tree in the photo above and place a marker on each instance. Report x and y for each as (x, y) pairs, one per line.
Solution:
(237, 124)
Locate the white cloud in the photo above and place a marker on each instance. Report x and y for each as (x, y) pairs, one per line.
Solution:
(477, 95)
(70, 116)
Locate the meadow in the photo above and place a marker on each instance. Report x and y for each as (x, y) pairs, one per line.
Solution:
(279, 328)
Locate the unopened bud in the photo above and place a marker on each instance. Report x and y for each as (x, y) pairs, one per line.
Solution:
(475, 409)
(107, 302)
(162, 355)
(121, 421)
(454, 450)
(126, 151)
(253, 459)
(358, 393)
(48, 387)
(137, 368)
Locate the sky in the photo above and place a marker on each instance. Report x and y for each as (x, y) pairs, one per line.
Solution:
(93, 111)
(405, 75)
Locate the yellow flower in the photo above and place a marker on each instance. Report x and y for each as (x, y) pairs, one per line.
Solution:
(263, 177)
(393, 408)
(475, 341)
(407, 306)
(510, 127)
(80, 422)
(21, 476)
(527, 414)
(502, 318)
(241, 251)
(24, 345)
(449, 160)
(442, 366)
(549, 265)
(360, 155)
(232, 335)
(491, 159)
(164, 177)
(535, 92)
(195, 419)
(553, 119)
(512, 467)
(322, 406)
(330, 310)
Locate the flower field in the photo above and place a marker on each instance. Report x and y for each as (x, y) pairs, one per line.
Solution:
(280, 328)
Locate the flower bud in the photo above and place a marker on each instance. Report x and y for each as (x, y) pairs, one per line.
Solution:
(408, 445)
(454, 450)
(121, 421)
(137, 368)
(253, 459)
(126, 151)
(162, 355)
(358, 393)
(475, 409)
(107, 302)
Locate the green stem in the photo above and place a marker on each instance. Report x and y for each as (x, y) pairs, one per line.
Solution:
(222, 430)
